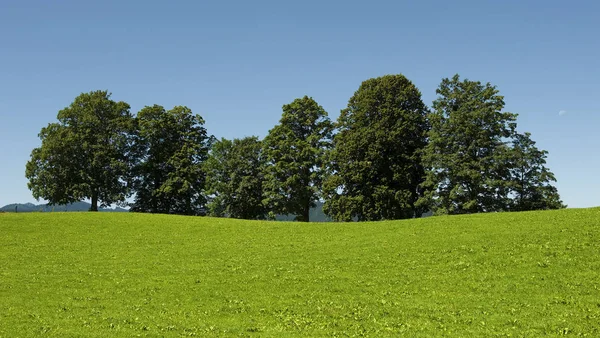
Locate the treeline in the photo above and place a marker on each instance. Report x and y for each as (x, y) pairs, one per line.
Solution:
(388, 156)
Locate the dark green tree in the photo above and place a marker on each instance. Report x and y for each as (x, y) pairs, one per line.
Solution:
(468, 155)
(295, 152)
(85, 155)
(171, 146)
(375, 163)
(531, 181)
(234, 182)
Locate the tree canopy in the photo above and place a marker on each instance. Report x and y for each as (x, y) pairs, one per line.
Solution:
(171, 146)
(375, 163)
(295, 151)
(531, 181)
(391, 158)
(86, 154)
(235, 175)
(474, 152)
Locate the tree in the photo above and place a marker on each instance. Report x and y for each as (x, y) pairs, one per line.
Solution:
(531, 180)
(375, 163)
(86, 154)
(171, 147)
(235, 178)
(468, 155)
(295, 151)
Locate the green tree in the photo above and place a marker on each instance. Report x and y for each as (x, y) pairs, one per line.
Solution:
(295, 151)
(468, 155)
(235, 178)
(531, 181)
(375, 163)
(171, 146)
(85, 155)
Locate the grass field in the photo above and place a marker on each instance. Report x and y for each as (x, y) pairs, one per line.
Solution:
(111, 275)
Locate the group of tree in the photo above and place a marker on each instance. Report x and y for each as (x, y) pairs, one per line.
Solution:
(99, 151)
(388, 156)
(476, 160)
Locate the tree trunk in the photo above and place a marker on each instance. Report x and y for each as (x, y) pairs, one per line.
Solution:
(153, 197)
(305, 213)
(94, 206)
(188, 205)
(306, 196)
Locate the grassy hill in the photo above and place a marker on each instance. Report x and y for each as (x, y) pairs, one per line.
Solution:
(123, 275)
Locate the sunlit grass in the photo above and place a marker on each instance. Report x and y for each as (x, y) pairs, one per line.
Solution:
(511, 274)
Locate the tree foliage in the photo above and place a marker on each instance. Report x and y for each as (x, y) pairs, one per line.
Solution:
(172, 146)
(295, 151)
(235, 175)
(375, 164)
(531, 181)
(391, 158)
(474, 151)
(85, 155)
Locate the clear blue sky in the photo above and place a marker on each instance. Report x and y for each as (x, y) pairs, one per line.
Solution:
(237, 62)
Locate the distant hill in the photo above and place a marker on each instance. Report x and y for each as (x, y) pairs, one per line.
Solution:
(316, 215)
(77, 206)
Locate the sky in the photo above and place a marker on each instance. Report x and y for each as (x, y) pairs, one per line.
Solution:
(237, 62)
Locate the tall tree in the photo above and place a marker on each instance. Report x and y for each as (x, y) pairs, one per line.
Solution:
(172, 146)
(235, 178)
(295, 151)
(375, 164)
(531, 181)
(85, 155)
(468, 155)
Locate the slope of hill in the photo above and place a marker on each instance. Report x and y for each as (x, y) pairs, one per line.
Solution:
(121, 275)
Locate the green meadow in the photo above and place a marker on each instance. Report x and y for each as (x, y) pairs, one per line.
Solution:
(124, 275)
